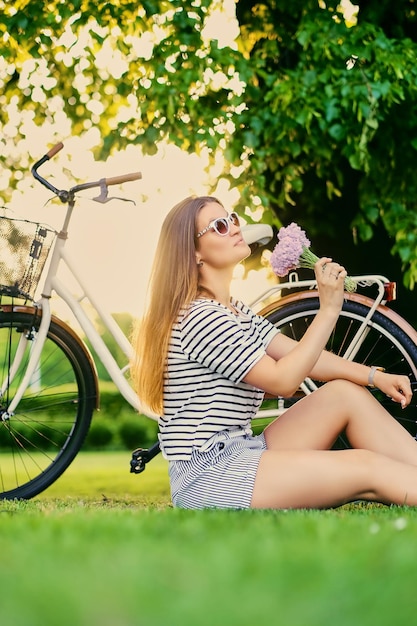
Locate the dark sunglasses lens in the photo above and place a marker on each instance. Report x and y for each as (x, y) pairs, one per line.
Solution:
(221, 226)
(234, 218)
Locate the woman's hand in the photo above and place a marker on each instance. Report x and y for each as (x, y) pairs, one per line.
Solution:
(330, 283)
(395, 386)
(282, 369)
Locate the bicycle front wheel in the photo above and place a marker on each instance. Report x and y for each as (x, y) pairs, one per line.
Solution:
(42, 436)
(384, 344)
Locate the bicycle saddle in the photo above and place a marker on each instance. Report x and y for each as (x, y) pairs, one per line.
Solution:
(257, 234)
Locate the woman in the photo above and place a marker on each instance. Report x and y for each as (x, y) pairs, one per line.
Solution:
(204, 361)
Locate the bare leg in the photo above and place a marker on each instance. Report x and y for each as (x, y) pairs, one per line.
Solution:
(326, 478)
(298, 470)
(315, 422)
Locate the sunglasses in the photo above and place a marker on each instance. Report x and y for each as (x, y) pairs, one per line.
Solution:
(221, 225)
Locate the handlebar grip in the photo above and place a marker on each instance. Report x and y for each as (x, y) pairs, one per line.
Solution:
(123, 178)
(52, 152)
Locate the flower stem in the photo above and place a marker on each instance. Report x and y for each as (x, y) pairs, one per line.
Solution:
(308, 260)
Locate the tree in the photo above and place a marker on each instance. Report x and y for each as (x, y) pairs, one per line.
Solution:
(301, 134)
(345, 137)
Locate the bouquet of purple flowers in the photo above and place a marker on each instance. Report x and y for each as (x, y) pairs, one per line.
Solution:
(293, 251)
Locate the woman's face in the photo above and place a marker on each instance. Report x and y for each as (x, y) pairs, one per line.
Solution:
(216, 250)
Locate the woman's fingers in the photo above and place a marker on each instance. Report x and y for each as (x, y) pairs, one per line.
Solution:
(326, 269)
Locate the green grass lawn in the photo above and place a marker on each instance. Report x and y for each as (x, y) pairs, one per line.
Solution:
(106, 476)
(104, 547)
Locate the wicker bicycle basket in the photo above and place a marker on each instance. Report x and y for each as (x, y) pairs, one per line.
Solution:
(24, 248)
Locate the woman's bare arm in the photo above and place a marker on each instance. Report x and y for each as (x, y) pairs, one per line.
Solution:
(288, 362)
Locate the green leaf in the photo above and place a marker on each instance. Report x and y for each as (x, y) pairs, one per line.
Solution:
(337, 131)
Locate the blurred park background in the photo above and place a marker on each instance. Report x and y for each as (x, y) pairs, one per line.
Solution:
(287, 110)
(299, 111)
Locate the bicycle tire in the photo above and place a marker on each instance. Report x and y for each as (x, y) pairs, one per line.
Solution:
(385, 345)
(42, 437)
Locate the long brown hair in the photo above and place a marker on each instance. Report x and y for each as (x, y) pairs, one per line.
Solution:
(174, 283)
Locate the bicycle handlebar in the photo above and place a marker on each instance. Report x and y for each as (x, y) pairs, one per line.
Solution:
(123, 178)
(52, 152)
(66, 196)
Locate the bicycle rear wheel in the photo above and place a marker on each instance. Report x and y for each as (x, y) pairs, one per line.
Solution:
(385, 345)
(41, 438)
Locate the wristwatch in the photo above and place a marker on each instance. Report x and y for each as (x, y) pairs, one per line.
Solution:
(374, 369)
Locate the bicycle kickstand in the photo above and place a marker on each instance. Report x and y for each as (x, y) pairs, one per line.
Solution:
(142, 456)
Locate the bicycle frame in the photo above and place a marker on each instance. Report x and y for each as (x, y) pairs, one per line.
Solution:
(53, 283)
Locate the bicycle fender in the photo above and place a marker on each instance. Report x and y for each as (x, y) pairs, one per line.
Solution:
(355, 297)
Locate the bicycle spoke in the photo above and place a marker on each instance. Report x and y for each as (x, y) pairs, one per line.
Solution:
(383, 343)
(42, 436)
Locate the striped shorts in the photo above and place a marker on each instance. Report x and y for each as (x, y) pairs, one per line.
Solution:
(221, 477)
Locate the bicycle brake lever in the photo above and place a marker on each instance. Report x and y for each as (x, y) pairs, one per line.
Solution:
(104, 194)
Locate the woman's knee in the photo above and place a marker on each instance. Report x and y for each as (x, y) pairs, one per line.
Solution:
(367, 466)
(363, 458)
(341, 386)
(344, 391)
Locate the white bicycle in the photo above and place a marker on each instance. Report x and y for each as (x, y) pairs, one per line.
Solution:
(49, 384)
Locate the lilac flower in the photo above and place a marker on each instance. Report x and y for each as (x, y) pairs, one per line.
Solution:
(293, 251)
(286, 255)
(294, 232)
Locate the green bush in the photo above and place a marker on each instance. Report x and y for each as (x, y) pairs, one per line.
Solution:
(137, 431)
(101, 434)
(112, 403)
(115, 426)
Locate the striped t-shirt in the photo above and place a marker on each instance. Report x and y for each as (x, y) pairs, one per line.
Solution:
(211, 350)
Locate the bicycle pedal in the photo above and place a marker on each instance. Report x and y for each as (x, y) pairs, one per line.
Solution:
(138, 461)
